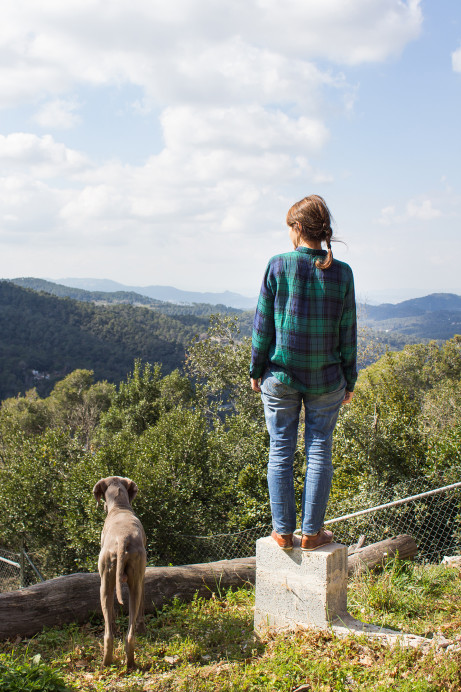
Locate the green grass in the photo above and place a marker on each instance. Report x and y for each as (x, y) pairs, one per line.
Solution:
(209, 645)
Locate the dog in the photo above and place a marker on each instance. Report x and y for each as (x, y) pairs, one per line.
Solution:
(122, 559)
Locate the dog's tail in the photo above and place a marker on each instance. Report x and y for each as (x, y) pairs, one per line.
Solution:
(120, 575)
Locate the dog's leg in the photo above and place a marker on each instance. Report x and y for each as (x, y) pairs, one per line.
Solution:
(136, 587)
(140, 626)
(107, 606)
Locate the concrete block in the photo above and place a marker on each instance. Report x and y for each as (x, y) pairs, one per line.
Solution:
(296, 588)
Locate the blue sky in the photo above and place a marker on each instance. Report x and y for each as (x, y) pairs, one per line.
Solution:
(163, 143)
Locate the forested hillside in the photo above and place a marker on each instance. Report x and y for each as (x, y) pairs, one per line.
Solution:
(436, 316)
(42, 338)
(48, 330)
(196, 445)
(124, 297)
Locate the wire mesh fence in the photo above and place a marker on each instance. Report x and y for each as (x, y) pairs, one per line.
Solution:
(17, 570)
(9, 571)
(434, 521)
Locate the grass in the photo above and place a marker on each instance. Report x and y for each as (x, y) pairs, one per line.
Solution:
(209, 645)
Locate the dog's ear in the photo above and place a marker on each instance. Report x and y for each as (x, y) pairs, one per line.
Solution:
(131, 487)
(99, 489)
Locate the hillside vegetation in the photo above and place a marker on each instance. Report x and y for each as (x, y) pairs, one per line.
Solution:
(436, 316)
(43, 338)
(47, 330)
(124, 297)
(196, 444)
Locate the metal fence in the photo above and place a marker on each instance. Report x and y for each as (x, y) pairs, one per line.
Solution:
(17, 570)
(432, 517)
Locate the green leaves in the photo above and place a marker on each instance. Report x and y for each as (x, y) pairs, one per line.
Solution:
(18, 674)
(404, 406)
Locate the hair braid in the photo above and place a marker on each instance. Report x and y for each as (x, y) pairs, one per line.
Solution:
(313, 218)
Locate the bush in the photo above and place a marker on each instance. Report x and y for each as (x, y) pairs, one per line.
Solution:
(18, 675)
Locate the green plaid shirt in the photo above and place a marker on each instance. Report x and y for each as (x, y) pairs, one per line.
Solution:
(305, 328)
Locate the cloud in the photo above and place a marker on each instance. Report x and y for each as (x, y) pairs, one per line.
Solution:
(424, 211)
(59, 114)
(456, 60)
(420, 210)
(41, 157)
(242, 93)
(245, 129)
(193, 50)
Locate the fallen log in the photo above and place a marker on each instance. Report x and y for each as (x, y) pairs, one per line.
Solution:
(74, 597)
(376, 554)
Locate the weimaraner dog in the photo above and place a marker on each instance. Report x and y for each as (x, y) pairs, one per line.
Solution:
(122, 559)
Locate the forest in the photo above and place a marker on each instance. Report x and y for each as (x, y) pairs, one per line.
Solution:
(48, 330)
(43, 338)
(196, 444)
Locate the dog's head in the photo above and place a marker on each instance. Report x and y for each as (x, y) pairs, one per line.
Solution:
(114, 483)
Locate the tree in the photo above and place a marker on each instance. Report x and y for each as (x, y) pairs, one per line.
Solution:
(400, 402)
(140, 400)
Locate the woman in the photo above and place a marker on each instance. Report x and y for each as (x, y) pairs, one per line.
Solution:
(304, 349)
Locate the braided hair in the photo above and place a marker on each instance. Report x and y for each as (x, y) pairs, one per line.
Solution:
(313, 219)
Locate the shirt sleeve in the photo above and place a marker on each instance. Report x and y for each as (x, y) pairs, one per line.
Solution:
(263, 326)
(348, 337)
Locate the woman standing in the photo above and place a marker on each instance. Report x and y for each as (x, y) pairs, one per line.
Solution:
(304, 349)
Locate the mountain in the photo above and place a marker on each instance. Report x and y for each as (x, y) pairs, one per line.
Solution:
(414, 307)
(436, 316)
(43, 338)
(123, 297)
(164, 293)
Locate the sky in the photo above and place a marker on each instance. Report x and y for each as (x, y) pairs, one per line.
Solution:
(162, 143)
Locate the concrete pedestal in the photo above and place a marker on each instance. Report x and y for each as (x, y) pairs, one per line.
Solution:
(299, 588)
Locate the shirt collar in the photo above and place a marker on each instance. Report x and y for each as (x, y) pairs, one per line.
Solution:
(310, 251)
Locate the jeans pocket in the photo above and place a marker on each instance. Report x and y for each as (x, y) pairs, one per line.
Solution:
(271, 386)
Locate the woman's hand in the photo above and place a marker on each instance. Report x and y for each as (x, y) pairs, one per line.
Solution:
(255, 384)
(348, 397)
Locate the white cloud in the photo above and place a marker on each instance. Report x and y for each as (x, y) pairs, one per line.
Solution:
(243, 91)
(424, 211)
(42, 157)
(420, 210)
(197, 49)
(456, 60)
(245, 129)
(59, 114)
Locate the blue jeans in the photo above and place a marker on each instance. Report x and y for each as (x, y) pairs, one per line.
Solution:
(282, 406)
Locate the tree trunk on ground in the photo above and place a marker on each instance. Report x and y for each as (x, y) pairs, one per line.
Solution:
(72, 598)
(376, 554)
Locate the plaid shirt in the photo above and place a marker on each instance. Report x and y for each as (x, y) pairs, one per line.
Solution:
(305, 328)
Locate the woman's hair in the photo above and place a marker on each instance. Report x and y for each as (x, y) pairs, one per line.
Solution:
(313, 219)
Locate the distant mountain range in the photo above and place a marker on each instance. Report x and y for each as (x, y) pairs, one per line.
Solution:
(48, 329)
(414, 307)
(100, 297)
(164, 293)
(435, 316)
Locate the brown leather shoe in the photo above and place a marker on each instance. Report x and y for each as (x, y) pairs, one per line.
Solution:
(323, 537)
(284, 541)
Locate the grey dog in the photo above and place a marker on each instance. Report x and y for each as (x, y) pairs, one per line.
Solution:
(122, 559)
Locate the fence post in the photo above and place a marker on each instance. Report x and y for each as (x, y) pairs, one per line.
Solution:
(22, 566)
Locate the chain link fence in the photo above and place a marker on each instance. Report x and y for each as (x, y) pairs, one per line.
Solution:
(434, 521)
(431, 516)
(17, 570)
